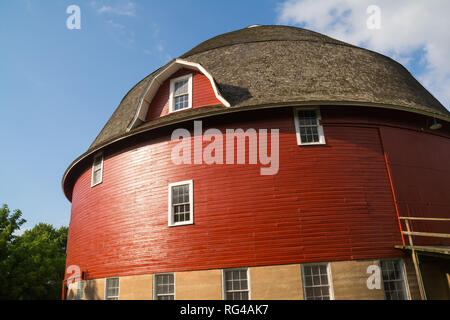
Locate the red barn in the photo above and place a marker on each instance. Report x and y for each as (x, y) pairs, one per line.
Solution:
(270, 162)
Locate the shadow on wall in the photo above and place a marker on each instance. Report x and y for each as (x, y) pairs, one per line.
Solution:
(90, 291)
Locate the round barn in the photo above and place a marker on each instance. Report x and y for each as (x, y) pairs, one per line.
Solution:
(271, 162)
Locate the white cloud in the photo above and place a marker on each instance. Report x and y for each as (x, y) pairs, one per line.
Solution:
(407, 27)
(122, 9)
(112, 9)
(121, 34)
(116, 25)
(160, 48)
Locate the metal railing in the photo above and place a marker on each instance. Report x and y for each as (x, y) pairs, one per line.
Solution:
(411, 233)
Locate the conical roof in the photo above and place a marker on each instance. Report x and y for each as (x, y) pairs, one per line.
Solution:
(281, 65)
(270, 66)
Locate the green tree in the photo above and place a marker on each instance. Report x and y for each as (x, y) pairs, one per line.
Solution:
(32, 265)
(9, 224)
(37, 263)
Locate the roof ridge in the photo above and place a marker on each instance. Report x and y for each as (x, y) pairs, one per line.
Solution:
(184, 56)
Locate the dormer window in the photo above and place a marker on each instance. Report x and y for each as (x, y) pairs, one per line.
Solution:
(180, 93)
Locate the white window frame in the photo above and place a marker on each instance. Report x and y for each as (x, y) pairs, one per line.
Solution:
(171, 222)
(155, 294)
(172, 91)
(319, 127)
(106, 289)
(79, 290)
(96, 156)
(330, 282)
(403, 274)
(224, 290)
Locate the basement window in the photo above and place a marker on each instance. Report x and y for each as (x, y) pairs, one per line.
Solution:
(97, 169)
(164, 288)
(180, 93)
(235, 284)
(307, 126)
(393, 279)
(181, 203)
(112, 289)
(80, 290)
(316, 281)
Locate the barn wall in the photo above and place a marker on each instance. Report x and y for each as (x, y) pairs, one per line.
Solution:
(420, 171)
(326, 203)
(348, 281)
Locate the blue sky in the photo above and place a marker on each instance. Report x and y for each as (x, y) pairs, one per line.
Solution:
(58, 87)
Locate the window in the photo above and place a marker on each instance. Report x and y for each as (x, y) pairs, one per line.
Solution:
(316, 281)
(235, 284)
(97, 170)
(112, 289)
(180, 93)
(307, 126)
(164, 286)
(80, 290)
(181, 203)
(393, 279)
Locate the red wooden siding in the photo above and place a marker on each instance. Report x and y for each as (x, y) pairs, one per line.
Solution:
(421, 175)
(202, 94)
(330, 202)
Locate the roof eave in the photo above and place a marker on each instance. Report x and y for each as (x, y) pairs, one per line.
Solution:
(213, 110)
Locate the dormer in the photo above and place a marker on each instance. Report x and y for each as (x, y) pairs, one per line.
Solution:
(181, 85)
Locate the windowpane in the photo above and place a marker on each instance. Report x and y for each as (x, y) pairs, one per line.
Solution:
(80, 290)
(307, 270)
(181, 206)
(308, 126)
(393, 282)
(97, 170)
(165, 286)
(97, 176)
(181, 102)
(315, 282)
(236, 284)
(112, 289)
(181, 87)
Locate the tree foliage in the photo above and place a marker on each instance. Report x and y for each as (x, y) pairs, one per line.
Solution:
(9, 224)
(33, 263)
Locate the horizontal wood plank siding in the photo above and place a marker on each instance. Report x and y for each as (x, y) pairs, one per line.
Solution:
(421, 176)
(327, 203)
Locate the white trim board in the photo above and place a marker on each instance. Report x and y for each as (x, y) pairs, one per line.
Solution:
(170, 221)
(187, 77)
(159, 79)
(319, 126)
(96, 156)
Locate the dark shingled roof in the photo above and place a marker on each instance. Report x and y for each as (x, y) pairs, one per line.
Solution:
(280, 65)
(268, 66)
